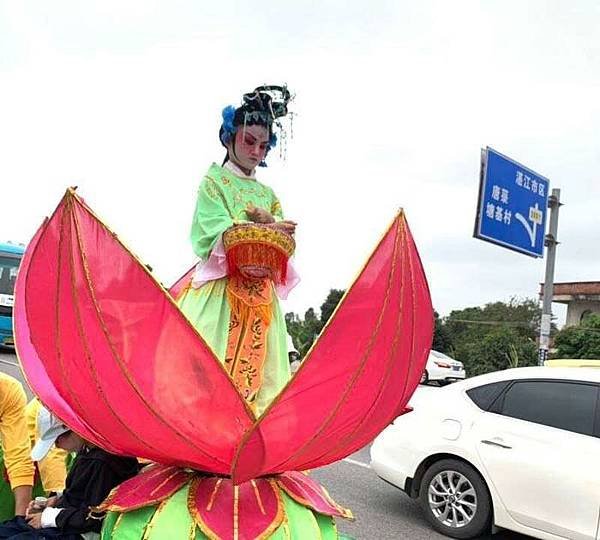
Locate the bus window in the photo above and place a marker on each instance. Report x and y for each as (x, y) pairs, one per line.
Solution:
(10, 257)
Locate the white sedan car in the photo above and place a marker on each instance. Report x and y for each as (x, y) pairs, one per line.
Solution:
(442, 369)
(516, 449)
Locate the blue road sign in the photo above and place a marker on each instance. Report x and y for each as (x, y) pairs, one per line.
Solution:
(513, 203)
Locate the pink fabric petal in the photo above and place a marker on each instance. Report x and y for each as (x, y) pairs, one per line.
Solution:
(360, 373)
(151, 486)
(135, 376)
(310, 493)
(250, 511)
(33, 367)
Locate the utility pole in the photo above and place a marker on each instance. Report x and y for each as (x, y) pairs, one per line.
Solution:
(551, 242)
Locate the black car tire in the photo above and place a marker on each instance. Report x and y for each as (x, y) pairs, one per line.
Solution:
(481, 520)
(424, 377)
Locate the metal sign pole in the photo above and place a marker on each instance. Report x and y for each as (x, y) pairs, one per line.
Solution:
(551, 242)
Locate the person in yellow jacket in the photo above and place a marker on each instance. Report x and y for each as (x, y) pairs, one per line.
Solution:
(52, 468)
(15, 441)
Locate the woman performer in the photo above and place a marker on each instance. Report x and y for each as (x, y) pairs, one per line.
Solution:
(232, 302)
(239, 315)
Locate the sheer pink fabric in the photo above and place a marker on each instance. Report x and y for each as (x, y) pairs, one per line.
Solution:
(105, 348)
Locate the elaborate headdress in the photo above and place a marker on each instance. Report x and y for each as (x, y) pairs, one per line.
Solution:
(264, 106)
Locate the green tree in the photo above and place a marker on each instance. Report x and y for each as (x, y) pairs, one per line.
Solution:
(331, 302)
(499, 348)
(303, 331)
(579, 341)
(441, 336)
(495, 336)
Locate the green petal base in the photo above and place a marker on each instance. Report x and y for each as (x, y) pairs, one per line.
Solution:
(171, 521)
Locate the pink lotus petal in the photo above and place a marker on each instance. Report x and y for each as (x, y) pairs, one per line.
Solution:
(252, 510)
(360, 374)
(310, 493)
(153, 484)
(107, 349)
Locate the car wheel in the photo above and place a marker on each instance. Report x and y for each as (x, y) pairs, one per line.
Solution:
(424, 377)
(455, 499)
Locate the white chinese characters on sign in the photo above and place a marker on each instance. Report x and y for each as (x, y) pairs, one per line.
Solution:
(534, 186)
(519, 179)
(500, 194)
(497, 213)
(530, 184)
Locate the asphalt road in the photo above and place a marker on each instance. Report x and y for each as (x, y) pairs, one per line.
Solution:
(381, 511)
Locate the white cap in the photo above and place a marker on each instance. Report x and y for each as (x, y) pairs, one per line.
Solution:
(49, 429)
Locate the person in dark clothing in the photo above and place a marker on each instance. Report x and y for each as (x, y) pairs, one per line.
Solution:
(93, 475)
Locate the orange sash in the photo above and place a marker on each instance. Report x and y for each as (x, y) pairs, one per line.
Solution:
(251, 302)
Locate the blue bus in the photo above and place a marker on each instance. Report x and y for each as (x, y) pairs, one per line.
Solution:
(10, 257)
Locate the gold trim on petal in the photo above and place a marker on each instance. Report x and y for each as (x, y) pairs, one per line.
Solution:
(193, 511)
(280, 516)
(192, 533)
(345, 512)
(150, 525)
(213, 495)
(117, 523)
(236, 508)
(258, 497)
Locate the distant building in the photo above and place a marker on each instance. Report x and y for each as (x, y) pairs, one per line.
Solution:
(582, 299)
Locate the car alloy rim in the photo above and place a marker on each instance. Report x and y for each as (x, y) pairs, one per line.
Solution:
(452, 499)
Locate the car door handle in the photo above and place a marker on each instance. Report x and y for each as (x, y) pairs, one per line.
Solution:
(494, 442)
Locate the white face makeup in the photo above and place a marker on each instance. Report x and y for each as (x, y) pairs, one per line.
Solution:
(250, 147)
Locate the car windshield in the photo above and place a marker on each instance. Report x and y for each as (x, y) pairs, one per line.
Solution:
(8, 274)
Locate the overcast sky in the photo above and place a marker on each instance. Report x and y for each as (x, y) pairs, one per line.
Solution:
(393, 102)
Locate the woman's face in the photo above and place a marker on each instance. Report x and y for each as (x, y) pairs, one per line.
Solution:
(70, 441)
(250, 147)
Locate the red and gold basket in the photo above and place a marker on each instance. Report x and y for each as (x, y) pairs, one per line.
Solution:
(262, 247)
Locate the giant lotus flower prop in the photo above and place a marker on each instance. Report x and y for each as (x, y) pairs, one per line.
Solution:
(106, 348)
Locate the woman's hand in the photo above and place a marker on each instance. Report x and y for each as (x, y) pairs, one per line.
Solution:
(258, 215)
(286, 226)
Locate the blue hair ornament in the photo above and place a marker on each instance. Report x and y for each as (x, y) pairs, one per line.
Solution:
(227, 125)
